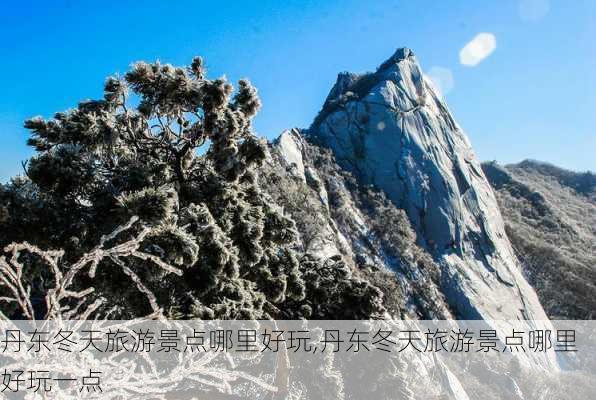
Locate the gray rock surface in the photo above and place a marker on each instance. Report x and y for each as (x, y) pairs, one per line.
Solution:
(392, 131)
(336, 216)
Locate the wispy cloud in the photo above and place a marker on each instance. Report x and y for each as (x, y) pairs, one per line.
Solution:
(477, 49)
(441, 79)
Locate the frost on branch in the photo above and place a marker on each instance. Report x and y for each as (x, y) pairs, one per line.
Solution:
(64, 299)
(175, 149)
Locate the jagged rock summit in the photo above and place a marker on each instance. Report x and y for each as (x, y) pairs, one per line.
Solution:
(392, 130)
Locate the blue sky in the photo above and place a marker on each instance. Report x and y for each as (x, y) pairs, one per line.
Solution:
(534, 96)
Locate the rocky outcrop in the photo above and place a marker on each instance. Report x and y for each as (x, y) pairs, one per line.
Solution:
(392, 131)
(336, 216)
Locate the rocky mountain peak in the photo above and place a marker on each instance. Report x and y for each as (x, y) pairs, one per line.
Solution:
(350, 86)
(391, 130)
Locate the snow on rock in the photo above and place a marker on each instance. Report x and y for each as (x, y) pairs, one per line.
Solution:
(291, 149)
(287, 151)
(391, 130)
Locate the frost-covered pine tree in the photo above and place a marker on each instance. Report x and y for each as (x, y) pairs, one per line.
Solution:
(176, 150)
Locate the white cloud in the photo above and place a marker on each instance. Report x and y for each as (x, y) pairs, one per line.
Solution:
(442, 79)
(533, 10)
(477, 49)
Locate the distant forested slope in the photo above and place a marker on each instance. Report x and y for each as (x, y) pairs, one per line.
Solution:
(550, 217)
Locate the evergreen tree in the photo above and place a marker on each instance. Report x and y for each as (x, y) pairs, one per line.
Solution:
(175, 149)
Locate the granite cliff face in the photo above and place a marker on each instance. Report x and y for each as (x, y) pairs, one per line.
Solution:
(386, 180)
(337, 216)
(392, 131)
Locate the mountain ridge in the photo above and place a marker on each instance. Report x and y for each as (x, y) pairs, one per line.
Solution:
(549, 215)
